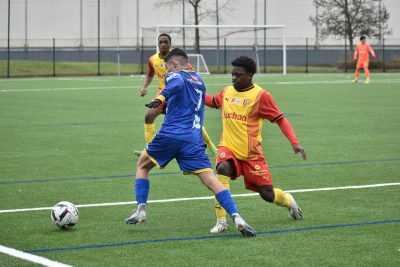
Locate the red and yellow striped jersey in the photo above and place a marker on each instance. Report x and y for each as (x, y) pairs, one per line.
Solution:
(242, 118)
(157, 67)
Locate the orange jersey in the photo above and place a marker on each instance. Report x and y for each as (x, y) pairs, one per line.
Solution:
(243, 114)
(363, 50)
(157, 67)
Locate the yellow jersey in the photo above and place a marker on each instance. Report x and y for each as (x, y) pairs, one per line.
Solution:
(157, 66)
(243, 114)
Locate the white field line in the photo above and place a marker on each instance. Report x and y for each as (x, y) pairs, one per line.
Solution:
(31, 258)
(386, 81)
(207, 197)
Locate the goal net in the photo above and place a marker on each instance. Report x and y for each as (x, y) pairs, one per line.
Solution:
(213, 47)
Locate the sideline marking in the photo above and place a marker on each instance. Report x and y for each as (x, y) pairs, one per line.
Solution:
(165, 240)
(122, 176)
(31, 258)
(206, 197)
(385, 81)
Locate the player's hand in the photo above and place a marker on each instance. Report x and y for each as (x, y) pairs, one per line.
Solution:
(143, 91)
(299, 149)
(154, 104)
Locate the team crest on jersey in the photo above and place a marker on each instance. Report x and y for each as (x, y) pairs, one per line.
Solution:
(236, 100)
(246, 102)
(222, 155)
(257, 167)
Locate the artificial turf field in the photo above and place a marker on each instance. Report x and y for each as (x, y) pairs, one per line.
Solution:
(72, 139)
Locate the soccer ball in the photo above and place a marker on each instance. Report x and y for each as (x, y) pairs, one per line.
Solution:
(64, 214)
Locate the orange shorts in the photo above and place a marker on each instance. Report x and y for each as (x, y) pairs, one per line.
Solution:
(255, 172)
(362, 64)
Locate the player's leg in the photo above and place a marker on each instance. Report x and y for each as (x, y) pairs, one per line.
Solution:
(149, 126)
(366, 69)
(224, 197)
(257, 177)
(208, 141)
(225, 170)
(159, 152)
(280, 198)
(193, 159)
(357, 72)
(142, 188)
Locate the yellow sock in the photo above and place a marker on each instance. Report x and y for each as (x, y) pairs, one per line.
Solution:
(149, 132)
(281, 199)
(219, 210)
(207, 138)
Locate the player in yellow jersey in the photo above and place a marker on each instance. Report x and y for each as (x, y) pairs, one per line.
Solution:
(244, 107)
(157, 66)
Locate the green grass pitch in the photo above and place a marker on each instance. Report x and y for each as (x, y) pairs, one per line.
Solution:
(72, 139)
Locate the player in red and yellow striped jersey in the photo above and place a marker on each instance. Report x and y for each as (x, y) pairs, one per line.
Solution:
(244, 107)
(157, 66)
(362, 51)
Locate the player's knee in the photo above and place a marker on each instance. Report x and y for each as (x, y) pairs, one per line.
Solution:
(266, 193)
(225, 168)
(149, 118)
(144, 163)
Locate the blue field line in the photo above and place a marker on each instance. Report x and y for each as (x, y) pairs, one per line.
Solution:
(165, 240)
(172, 173)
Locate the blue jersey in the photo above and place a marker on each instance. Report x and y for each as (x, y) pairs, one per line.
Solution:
(185, 96)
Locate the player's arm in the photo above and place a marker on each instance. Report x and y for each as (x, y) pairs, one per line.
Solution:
(174, 83)
(270, 111)
(148, 79)
(356, 53)
(371, 51)
(214, 101)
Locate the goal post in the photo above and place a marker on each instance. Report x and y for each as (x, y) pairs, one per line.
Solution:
(233, 29)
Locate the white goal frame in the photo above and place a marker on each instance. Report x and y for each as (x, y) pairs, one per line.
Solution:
(282, 27)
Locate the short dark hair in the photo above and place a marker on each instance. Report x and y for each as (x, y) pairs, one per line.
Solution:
(166, 35)
(176, 52)
(363, 38)
(245, 62)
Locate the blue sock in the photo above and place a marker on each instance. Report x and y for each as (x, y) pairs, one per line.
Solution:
(225, 199)
(142, 187)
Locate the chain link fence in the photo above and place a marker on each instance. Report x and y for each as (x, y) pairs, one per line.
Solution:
(92, 37)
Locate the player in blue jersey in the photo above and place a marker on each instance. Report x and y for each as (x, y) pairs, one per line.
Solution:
(180, 137)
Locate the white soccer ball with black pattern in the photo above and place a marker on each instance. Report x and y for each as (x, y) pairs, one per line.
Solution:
(64, 214)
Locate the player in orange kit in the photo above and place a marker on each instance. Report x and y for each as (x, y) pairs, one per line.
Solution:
(362, 51)
(244, 107)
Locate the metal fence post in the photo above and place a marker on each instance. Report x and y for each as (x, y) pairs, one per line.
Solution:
(8, 40)
(142, 57)
(306, 55)
(383, 55)
(98, 37)
(54, 57)
(225, 55)
(345, 55)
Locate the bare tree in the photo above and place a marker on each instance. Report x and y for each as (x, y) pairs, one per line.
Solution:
(351, 18)
(200, 12)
